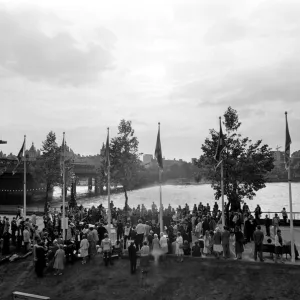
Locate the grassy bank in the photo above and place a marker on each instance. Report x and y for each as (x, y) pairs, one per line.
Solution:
(193, 279)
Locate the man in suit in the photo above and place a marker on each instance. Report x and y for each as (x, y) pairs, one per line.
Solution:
(225, 242)
(132, 249)
(258, 238)
(268, 224)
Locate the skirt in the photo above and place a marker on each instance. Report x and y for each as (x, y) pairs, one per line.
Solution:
(218, 248)
(179, 251)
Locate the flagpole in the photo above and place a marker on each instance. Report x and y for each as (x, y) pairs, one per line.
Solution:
(24, 156)
(160, 196)
(108, 191)
(64, 191)
(291, 205)
(222, 191)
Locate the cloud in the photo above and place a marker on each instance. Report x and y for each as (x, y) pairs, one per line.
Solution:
(226, 31)
(29, 52)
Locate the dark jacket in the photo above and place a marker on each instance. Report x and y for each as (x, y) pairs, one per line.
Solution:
(132, 252)
(258, 237)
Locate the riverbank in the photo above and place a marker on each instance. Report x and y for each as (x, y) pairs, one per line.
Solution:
(195, 278)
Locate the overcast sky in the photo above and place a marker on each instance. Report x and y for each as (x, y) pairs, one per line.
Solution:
(81, 66)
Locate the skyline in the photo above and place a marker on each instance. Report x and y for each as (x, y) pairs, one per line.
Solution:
(68, 66)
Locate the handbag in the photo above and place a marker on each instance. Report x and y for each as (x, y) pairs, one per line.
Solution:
(180, 246)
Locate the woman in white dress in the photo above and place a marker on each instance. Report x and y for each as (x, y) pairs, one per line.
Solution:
(84, 249)
(179, 247)
(206, 239)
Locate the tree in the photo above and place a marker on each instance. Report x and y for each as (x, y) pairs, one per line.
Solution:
(246, 163)
(50, 163)
(124, 158)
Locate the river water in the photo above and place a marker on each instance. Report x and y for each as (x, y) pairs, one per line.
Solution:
(272, 198)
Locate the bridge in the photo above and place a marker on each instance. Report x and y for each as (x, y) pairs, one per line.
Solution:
(11, 186)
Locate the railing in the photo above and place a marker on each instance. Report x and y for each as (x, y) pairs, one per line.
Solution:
(271, 214)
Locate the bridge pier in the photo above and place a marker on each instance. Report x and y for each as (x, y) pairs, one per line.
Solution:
(97, 185)
(90, 183)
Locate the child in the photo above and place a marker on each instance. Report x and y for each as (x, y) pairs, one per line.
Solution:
(196, 250)
(201, 244)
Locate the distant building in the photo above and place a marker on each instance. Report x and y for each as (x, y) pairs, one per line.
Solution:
(278, 158)
(32, 153)
(147, 159)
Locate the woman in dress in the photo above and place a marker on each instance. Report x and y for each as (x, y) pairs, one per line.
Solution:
(163, 243)
(59, 260)
(217, 243)
(144, 262)
(239, 243)
(206, 240)
(179, 247)
(155, 243)
(84, 249)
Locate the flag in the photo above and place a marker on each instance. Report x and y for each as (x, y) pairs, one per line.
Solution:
(107, 162)
(19, 158)
(220, 147)
(288, 142)
(158, 153)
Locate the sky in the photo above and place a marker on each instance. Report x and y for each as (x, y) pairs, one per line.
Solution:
(82, 66)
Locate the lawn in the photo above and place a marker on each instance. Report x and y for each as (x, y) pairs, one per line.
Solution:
(194, 279)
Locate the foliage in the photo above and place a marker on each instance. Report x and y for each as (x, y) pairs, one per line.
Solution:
(246, 163)
(124, 158)
(51, 167)
(50, 162)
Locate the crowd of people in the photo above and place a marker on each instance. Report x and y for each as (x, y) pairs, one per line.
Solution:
(137, 233)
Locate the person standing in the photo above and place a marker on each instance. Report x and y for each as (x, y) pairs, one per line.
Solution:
(14, 229)
(257, 213)
(106, 246)
(239, 242)
(275, 223)
(127, 230)
(59, 260)
(40, 261)
(217, 247)
(225, 236)
(26, 239)
(258, 238)
(268, 223)
(179, 247)
(132, 257)
(163, 243)
(284, 215)
(278, 246)
(140, 231)
(84, 248)
(144, 262)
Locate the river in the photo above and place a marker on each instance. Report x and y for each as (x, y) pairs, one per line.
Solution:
(272, 198)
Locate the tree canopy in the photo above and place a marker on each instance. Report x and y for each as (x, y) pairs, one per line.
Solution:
(124, 158)
(245, 162)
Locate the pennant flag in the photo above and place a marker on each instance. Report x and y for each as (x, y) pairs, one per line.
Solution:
(158, 152)
(220, 147)
(288, 142)
(19, 158)
(107, 161)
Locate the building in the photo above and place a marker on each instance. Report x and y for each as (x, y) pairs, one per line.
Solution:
(32, 153)
(147, 159)
(278, 157)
